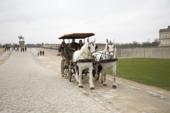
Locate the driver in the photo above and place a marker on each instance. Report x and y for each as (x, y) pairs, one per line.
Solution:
(80, 44)
(73, 45)
(62, 45)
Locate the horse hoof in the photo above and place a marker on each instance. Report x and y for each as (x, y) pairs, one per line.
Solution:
(114, 86)
(80, 86)
(104, 84)
(97, 79)
(92, 88)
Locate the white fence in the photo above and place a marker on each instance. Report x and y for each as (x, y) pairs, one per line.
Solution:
(147, 52)
(156, 52)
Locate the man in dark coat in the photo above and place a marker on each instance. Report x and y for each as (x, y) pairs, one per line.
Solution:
(73, 45)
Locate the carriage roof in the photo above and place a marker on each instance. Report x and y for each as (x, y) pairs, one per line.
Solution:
(77, 36)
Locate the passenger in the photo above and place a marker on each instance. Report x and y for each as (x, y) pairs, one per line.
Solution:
(80, 44)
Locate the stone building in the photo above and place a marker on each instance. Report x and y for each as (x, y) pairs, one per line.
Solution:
(164, 37)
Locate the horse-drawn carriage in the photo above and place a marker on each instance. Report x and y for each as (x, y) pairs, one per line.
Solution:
(82, 59)
(67, 50)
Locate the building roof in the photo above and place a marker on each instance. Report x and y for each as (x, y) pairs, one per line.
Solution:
(165, 29)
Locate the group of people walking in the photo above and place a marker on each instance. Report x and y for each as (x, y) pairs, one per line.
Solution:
(41, 53)
(8, 47)
(23, 49)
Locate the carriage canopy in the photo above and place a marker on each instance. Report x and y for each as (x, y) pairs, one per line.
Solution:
(77, 36)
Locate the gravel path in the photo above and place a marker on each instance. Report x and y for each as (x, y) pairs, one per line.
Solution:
(33, 84)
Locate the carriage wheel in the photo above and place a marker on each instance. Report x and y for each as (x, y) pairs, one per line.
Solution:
(62, 67)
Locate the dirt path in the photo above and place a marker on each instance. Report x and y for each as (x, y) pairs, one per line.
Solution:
(129, 97)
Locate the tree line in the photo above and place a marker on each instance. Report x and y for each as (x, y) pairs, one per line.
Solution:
(154, 43)
(133, 44)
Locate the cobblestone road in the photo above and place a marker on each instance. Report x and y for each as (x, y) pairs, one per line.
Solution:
(31, 84)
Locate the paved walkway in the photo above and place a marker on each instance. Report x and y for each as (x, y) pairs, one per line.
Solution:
(1, 51)
(32, 84)
(27, 87)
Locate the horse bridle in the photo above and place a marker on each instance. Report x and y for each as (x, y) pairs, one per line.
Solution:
(91, 53)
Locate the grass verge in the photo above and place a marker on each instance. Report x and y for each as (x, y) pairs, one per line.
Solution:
(154, 72)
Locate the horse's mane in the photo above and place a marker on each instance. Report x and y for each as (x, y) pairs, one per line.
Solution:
(83, 53)
(84, 48)
(104, 54)
(105, 48)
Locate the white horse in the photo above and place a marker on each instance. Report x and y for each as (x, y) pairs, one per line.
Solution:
(84, 60)
(109, 53)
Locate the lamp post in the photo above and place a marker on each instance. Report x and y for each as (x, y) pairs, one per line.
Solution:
(21, 43)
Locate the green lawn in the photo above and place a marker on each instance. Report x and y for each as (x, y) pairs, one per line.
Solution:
(154, 72)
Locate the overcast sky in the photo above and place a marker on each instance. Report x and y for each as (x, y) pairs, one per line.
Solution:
(45, 20)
